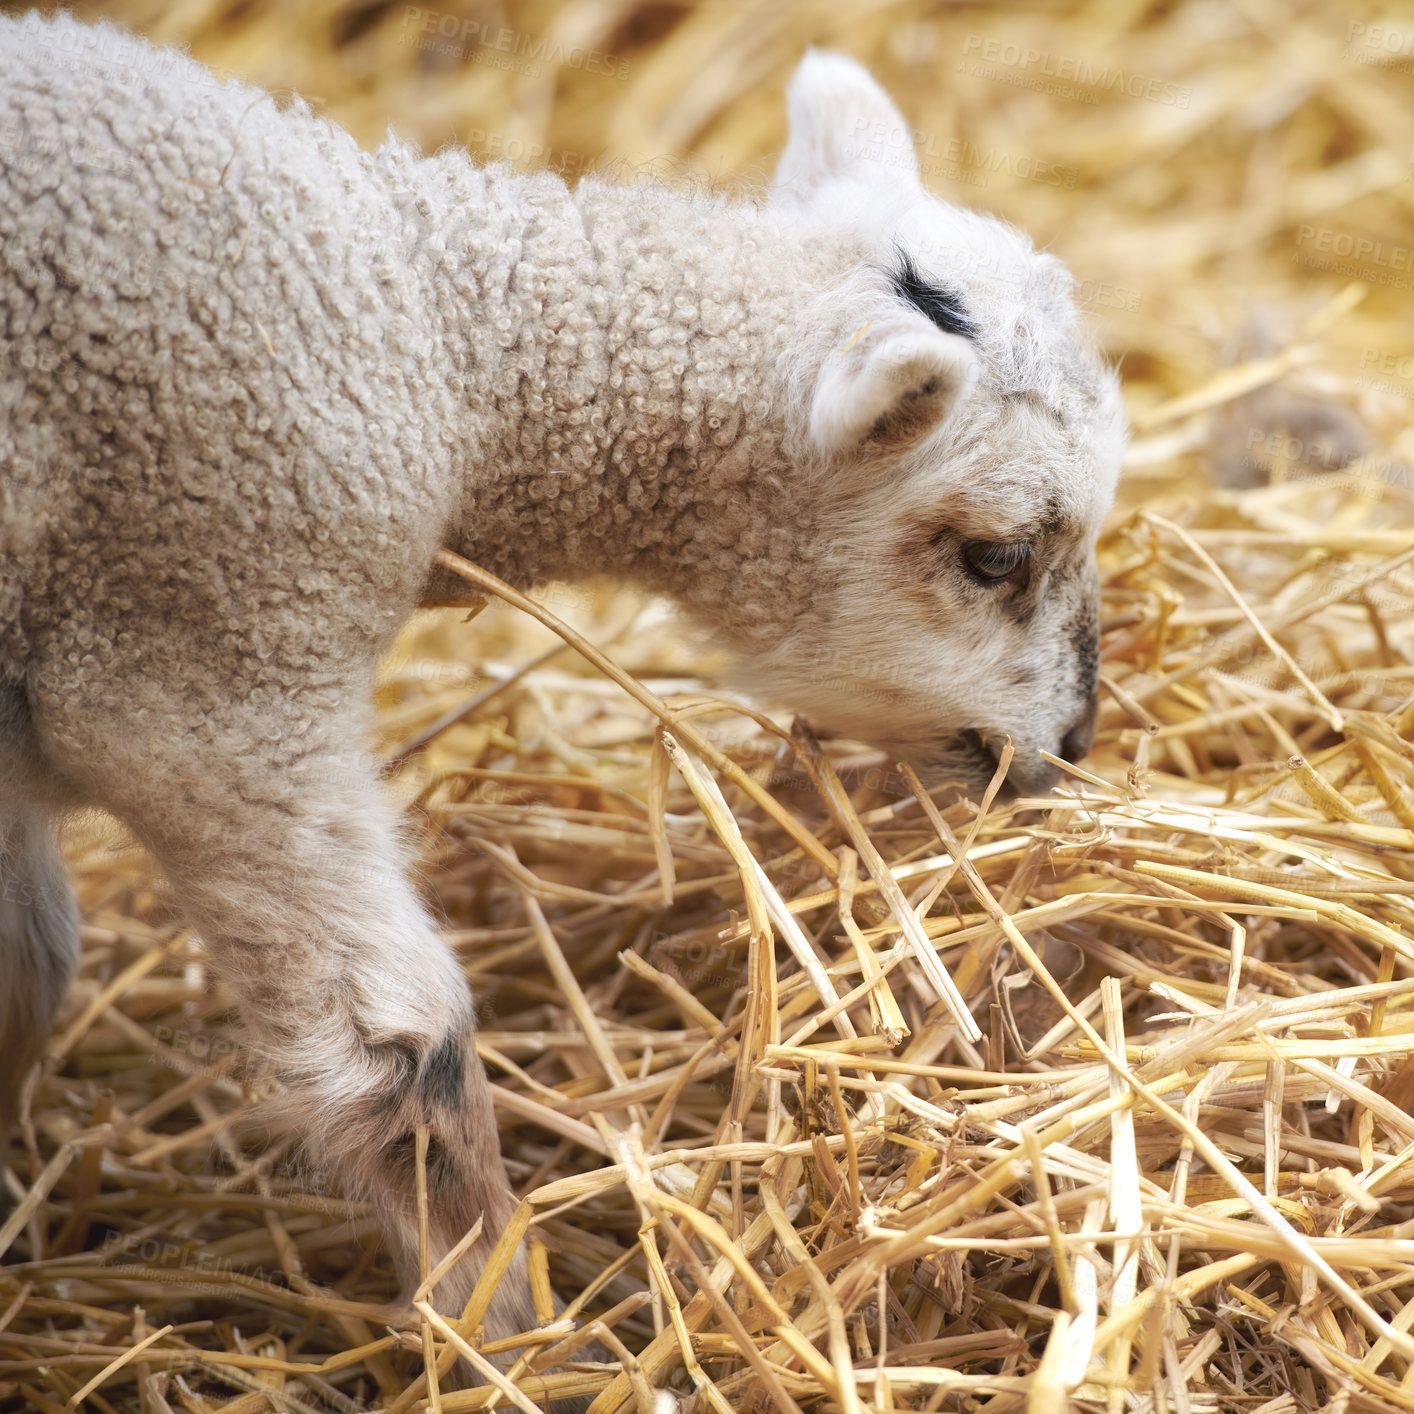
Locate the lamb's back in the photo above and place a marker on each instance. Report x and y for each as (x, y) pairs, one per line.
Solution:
(220, 392)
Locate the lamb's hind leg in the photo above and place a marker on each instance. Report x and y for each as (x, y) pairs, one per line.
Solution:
(288, 862)
(39, 942)
(39, 936)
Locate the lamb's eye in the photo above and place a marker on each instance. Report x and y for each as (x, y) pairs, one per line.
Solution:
(996, 561)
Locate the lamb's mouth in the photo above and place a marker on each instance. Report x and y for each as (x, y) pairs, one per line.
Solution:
(979, 750)
(964, 759)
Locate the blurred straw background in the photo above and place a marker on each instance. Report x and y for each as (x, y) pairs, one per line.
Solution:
(1177, 1172)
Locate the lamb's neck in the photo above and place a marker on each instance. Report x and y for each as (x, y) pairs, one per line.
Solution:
(639, 407)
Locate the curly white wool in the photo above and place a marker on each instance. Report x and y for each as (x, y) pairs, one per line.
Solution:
(252, 377)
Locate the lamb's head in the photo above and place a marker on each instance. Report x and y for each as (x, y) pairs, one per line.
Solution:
(961, 445)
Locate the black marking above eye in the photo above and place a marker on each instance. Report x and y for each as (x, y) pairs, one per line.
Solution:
(997, 561)
(944, 307)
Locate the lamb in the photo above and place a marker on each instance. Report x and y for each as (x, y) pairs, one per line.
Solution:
(252, 378)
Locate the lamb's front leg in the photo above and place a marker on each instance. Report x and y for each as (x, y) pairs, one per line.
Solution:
(289, 863)
(384, 1050)
(366, 1016)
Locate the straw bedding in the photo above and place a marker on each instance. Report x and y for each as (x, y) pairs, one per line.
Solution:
(760, 1168)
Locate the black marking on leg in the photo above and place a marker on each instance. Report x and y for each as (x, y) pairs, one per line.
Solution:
(441, 1079)
(433, 1081)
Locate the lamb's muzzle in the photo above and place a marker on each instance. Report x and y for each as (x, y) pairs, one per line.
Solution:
(252, 378)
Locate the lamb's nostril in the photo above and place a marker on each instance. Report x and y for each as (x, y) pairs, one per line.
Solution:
(1076, 742)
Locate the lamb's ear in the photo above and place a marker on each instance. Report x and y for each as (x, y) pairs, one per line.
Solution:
(841, 122)
(897, 387)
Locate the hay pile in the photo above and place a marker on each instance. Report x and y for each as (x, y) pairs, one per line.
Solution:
(759, 1160)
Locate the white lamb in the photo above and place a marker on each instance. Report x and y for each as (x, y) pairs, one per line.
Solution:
(252, 378)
